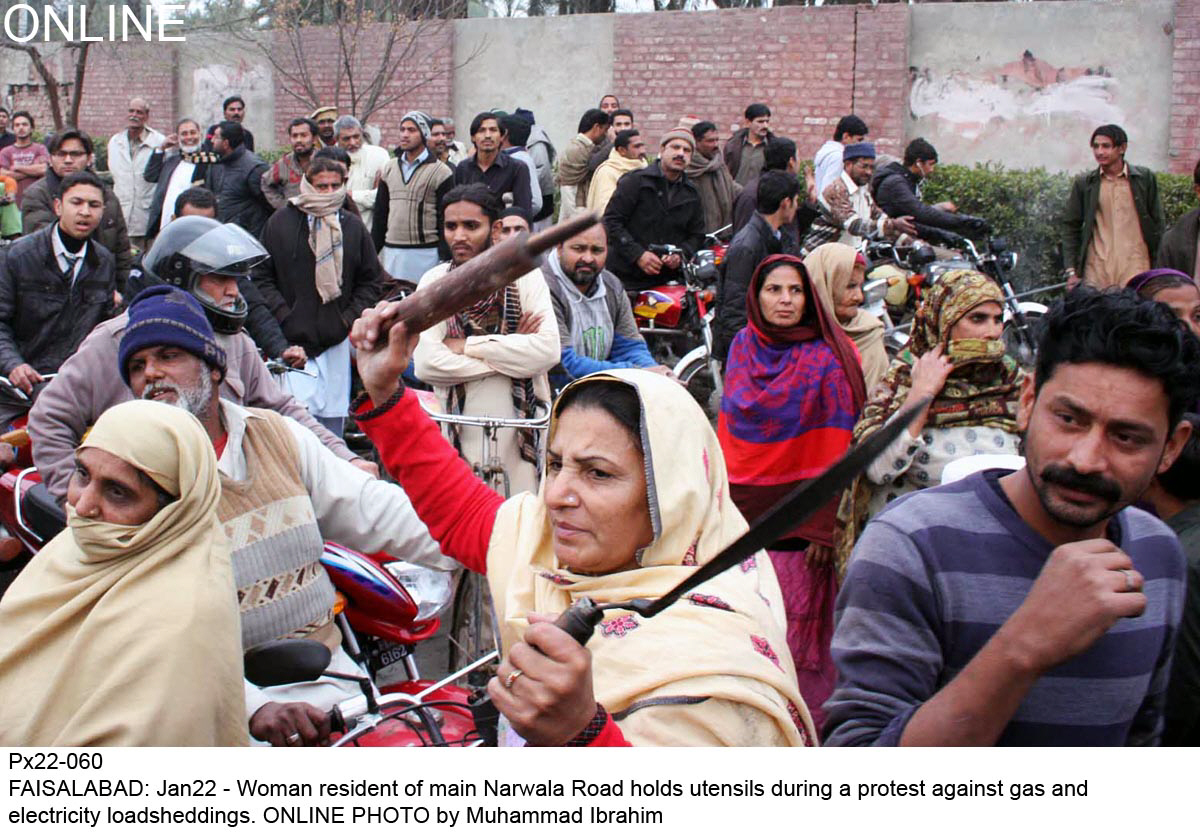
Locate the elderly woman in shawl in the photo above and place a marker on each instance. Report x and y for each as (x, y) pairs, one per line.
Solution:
(124, 629)
(793, 391)
(838, 273)
(634, 497)
(957, 358)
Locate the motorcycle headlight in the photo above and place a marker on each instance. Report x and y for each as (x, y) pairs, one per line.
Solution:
(431, 590)
(1008, 261)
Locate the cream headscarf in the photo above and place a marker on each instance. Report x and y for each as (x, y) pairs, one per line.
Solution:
(324, 235)
(129, 635)
(830, 266)
(724, 643)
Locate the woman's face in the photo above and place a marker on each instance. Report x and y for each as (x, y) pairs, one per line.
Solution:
(845, 306)
(596, 493)
(1185, 301)
(983, 321)
(108, 489)
(782, 297)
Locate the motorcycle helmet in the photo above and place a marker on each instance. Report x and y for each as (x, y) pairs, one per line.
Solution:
(193, 246)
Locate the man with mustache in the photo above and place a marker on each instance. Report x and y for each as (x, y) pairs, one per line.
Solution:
(493, 357)
(657, 204)
(180, 164)
(1036, 607)
(128, 154)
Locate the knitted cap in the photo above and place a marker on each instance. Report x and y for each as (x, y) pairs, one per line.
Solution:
(678, 133)
(421, 120)
(859, 150)
(165, 315)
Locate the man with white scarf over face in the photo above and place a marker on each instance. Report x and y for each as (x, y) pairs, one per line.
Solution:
(322, 273)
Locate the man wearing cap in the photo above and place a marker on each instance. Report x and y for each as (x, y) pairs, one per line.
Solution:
(325, 118)
(655, 205)
(407, 226)
(290, 494)
(848, 212)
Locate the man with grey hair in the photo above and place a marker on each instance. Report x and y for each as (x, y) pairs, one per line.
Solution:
(456, 151)
(366, 165)
(407, 226)
(128, 152)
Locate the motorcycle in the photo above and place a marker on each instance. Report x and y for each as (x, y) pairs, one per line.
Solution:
(28, 513)
(675, 319)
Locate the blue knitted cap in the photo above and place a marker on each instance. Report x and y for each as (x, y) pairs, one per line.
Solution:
(859, 150)
(165, 315)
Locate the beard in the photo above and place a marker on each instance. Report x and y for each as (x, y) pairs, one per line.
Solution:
(190, 149)
(195, 399)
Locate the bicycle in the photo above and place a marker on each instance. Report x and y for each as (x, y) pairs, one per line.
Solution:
(474, 630)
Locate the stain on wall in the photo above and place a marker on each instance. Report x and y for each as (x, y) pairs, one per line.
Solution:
(1025, 85)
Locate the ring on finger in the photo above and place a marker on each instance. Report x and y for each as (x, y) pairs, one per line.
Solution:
(1128, 575)
(511, 678)
(293, 739)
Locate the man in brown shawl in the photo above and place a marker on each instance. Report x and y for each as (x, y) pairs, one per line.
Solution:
(573, 172)
(708, 171)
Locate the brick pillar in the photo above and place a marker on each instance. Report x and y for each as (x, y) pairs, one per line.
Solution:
(881, 73)
(1184, 146)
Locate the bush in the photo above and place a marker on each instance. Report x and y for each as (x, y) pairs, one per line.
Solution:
(1024, 206)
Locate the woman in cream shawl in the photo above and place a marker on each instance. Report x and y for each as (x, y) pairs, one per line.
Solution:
(837, 273)
(128, 634)
(714, 669)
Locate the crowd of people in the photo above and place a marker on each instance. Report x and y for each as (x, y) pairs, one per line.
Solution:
(1051, 599)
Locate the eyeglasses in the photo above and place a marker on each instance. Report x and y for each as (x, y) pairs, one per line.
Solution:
(71, 154)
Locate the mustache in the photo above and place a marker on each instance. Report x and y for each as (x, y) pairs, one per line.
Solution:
(1071, 479)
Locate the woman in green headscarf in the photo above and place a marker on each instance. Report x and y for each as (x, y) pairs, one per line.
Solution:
(957, 358)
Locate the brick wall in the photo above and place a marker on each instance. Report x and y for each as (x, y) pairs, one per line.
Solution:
(881, 73)
(428, 68)
(1185, 89)
(710, 65)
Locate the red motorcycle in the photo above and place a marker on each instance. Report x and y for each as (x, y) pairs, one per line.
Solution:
(676, 320)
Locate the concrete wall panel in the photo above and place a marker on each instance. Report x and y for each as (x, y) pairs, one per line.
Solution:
(1025, 84)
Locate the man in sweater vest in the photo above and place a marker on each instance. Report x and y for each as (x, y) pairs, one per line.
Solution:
(282, 495)
(407, 225)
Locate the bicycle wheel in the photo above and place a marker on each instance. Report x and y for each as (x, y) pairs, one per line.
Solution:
(697, 377)
(473, 628)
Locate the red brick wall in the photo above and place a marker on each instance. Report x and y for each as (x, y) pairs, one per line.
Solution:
(432, 71)
(881, 73)
(710, 65)
(1185, 89)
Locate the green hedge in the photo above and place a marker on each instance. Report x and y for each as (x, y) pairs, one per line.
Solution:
(1024, 206)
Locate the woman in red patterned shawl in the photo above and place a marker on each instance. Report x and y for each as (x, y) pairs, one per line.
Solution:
(793, 392)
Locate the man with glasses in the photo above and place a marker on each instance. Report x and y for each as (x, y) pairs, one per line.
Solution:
(72, 150)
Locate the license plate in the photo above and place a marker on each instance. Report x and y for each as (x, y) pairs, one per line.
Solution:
(390, 654)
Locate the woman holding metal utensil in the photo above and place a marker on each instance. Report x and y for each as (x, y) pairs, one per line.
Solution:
(634, 496)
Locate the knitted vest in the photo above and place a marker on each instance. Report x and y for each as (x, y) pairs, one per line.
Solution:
(283, 590)
(412, 211)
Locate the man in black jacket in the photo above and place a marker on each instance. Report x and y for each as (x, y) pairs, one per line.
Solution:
(237, 181)
(502, 174)
(657, 204)
(1178, 247)
(316, 300)
(779, 155)
(897, 190)
(55, 286)
(778, 196)
(71, 150)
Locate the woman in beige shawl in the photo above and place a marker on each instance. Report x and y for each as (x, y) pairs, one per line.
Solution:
(838, 272)
(634, 497)
(124, 629)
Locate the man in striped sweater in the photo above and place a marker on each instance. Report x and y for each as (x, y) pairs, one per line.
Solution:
(1037, 607)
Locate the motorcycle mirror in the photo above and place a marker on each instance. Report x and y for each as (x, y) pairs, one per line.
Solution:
(921, 256)
(998, 244)
(286, 662)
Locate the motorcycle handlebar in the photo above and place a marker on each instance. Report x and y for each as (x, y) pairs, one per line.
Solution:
(16, 391)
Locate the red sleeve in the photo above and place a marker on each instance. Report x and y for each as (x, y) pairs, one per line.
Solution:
(458, 508)
(610, 736)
